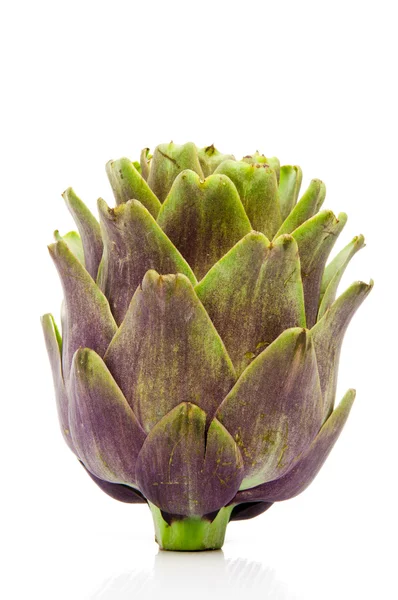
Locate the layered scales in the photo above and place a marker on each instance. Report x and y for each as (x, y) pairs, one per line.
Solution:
(201, 337)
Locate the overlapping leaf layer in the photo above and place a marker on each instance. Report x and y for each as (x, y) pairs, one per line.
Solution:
(201, 332)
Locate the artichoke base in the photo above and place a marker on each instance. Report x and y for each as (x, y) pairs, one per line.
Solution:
(190, 534)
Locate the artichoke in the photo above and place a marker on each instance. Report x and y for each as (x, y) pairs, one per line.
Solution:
(201, 337)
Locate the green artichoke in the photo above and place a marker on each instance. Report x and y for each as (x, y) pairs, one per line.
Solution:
(201, 337)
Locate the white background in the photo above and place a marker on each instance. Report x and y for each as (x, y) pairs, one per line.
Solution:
(310, 82)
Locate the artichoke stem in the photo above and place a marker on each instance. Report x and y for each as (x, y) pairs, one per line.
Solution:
(190, 534)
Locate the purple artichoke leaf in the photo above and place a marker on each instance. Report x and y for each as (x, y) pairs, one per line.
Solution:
(54, 349)
(72, 238)
(168, 349)
(133, 244)
(315, 239)
(334, 272)
(87, 320)
(117, 491)
(203, 218)
(249, 510)
(183, 470)
(248, 322)
(89, 229)
(328, 336)
(104, 429)
(307, 466)
(275, 409)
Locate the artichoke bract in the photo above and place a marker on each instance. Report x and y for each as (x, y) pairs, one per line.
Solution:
(201, 337)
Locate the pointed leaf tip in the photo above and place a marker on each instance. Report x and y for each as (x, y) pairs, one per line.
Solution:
(315, 239)
(74, 242)
(308, 205)
(145, 159)
(334, 271)
(210, 159)
(128, 184)
(289, 187)
(260, 159)
(89, 229)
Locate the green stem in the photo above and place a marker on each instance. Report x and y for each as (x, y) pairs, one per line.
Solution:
(190, 533)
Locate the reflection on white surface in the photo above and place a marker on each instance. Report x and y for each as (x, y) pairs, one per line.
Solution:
(195, 575)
